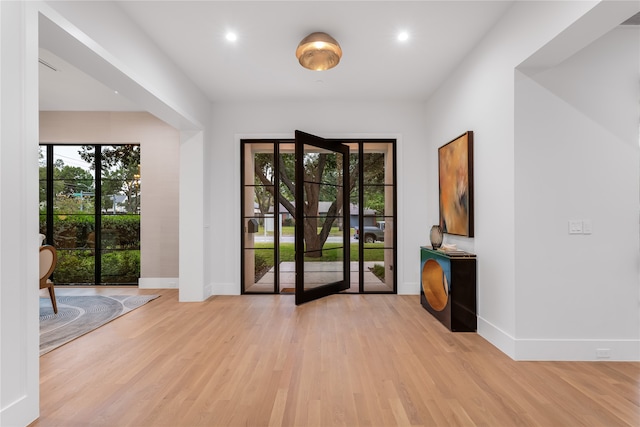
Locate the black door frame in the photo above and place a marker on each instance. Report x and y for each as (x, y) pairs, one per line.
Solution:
(361, 143)
(304, 139)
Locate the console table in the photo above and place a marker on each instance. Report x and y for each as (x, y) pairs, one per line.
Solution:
(448, 287)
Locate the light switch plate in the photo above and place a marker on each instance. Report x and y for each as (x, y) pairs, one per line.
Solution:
(587, 226)
(575, 226)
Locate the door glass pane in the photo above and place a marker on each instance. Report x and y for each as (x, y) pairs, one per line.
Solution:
(323, 257)
(120, 249)
(73, 180)
(354, 213)
(42, 171)
(74, 214)
(259, 197)
(43, 224)
(73, 237)
(121, 179)
(378, 270)
(121, 191)
(259, 273)
(75, 267)
(259, 253)
(378, 215)
(326, 269)
(377, 158)
(287, 253)
(286, 221)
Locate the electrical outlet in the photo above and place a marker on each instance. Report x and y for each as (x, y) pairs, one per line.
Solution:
(603, 353)
(575, 226)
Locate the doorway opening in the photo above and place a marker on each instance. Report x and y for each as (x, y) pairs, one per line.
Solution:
(269, 200)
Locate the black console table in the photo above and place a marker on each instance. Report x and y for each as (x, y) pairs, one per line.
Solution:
(448, 287)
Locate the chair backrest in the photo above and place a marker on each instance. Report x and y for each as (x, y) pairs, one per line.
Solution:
(48, 259)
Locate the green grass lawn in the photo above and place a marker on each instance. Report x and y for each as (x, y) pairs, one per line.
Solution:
(373, 252)
(290, 231)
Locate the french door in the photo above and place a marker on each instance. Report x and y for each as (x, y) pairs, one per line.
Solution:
(273, 234)
(322, 173)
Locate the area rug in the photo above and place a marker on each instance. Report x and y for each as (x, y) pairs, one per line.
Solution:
(78, 315)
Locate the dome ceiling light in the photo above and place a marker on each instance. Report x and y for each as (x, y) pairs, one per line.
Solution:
(318, 52)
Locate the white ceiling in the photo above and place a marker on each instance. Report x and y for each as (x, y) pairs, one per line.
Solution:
(261, 64)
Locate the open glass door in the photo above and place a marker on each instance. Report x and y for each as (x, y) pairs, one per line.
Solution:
(322, 242)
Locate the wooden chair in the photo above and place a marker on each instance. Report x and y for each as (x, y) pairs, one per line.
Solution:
(48, 260)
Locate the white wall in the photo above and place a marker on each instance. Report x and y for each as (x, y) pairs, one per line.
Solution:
(480, 96)
(577, 158)
(233, 121)
(160, 156)
(19, 327)
(152, 82)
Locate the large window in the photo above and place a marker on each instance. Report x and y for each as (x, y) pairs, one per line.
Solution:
(90, 211)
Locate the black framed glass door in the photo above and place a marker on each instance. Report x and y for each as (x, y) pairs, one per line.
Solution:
(322, 177)
(268, 223)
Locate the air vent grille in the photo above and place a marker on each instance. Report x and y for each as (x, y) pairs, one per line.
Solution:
(46, 64)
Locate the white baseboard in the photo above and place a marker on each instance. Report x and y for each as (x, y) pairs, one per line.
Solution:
(158, 283)
(223, 289)
(560, 349)
(411, 288)
(578, 350)
(496, 336)
(208, 291)
(22, 412)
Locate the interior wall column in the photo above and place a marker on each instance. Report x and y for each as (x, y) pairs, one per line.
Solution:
(19, 307)
(191, 217)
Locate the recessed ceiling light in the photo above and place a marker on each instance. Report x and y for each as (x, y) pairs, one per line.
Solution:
(403, 36)
(231, 36)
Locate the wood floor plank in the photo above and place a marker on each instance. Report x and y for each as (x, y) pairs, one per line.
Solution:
(345, 360)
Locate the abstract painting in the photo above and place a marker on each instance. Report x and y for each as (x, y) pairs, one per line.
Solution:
(455, 169)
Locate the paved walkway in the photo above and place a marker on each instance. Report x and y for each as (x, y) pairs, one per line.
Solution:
(319, 273)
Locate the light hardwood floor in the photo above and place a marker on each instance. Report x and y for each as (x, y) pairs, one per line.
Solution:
(345, 360)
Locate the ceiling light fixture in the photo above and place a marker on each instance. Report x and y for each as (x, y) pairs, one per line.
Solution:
(318, 52)
(403, 36)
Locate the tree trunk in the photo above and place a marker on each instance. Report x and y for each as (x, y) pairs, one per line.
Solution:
(314, 241)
